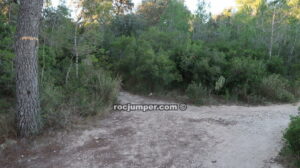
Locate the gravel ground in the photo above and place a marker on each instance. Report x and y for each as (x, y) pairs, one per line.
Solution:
(200, 137)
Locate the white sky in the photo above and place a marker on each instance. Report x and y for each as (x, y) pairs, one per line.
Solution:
(216, 6)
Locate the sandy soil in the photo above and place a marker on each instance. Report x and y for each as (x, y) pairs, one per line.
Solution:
(201, 137)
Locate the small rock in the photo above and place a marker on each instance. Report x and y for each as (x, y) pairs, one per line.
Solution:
(214, 161)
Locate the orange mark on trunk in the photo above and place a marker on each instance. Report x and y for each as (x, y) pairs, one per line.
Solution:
(29, 38)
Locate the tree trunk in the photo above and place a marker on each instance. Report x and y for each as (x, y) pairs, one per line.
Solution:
(293, 47)
(28, 104)
(76, 48)
(272, 33)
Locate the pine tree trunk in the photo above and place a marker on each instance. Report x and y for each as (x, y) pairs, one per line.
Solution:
(272, 33)
(28, 105)
(76, 48)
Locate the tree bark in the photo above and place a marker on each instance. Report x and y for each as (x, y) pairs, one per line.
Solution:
(27, 94)
(76, 48)
(272, 33)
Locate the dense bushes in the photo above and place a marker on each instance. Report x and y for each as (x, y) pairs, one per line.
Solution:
(165, 57)
(243, 75)
(197, 93)
(7, 80)
(53, 103)
(274, 87)
(289, 154)
(292, 135)
(291, 151)
(142, 67)
(91, 93)
(203, 65)
(152, 61)
(6, 58)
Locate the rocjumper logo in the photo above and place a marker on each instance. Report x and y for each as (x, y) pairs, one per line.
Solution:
(149, 107)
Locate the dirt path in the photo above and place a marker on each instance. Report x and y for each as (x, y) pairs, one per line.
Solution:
(201, 137)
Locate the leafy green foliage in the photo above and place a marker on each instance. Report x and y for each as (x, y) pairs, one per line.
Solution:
(276, 65)
(176, 16)
(274, 87)
(203, 65)
(244, 74)
(220, 83)
(54, 107)
(197, 93)
(142, 67)
(220, 53)
(6, 57)
(93, 91)
(292, 135)
(128, 25)
(91, 94)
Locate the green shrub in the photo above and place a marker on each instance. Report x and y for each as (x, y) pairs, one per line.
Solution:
(292, 135)
(145, 70)
(244, 74)
(129, 24)
(93, 91)
(200, 64)
(220, 83)
(7, 82)
(197, 93)
(155, 70)
(53, 103)
(274, 87)
(276, 65)
(165, 40)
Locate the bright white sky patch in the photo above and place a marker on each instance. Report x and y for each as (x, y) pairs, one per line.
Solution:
(216, 6)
